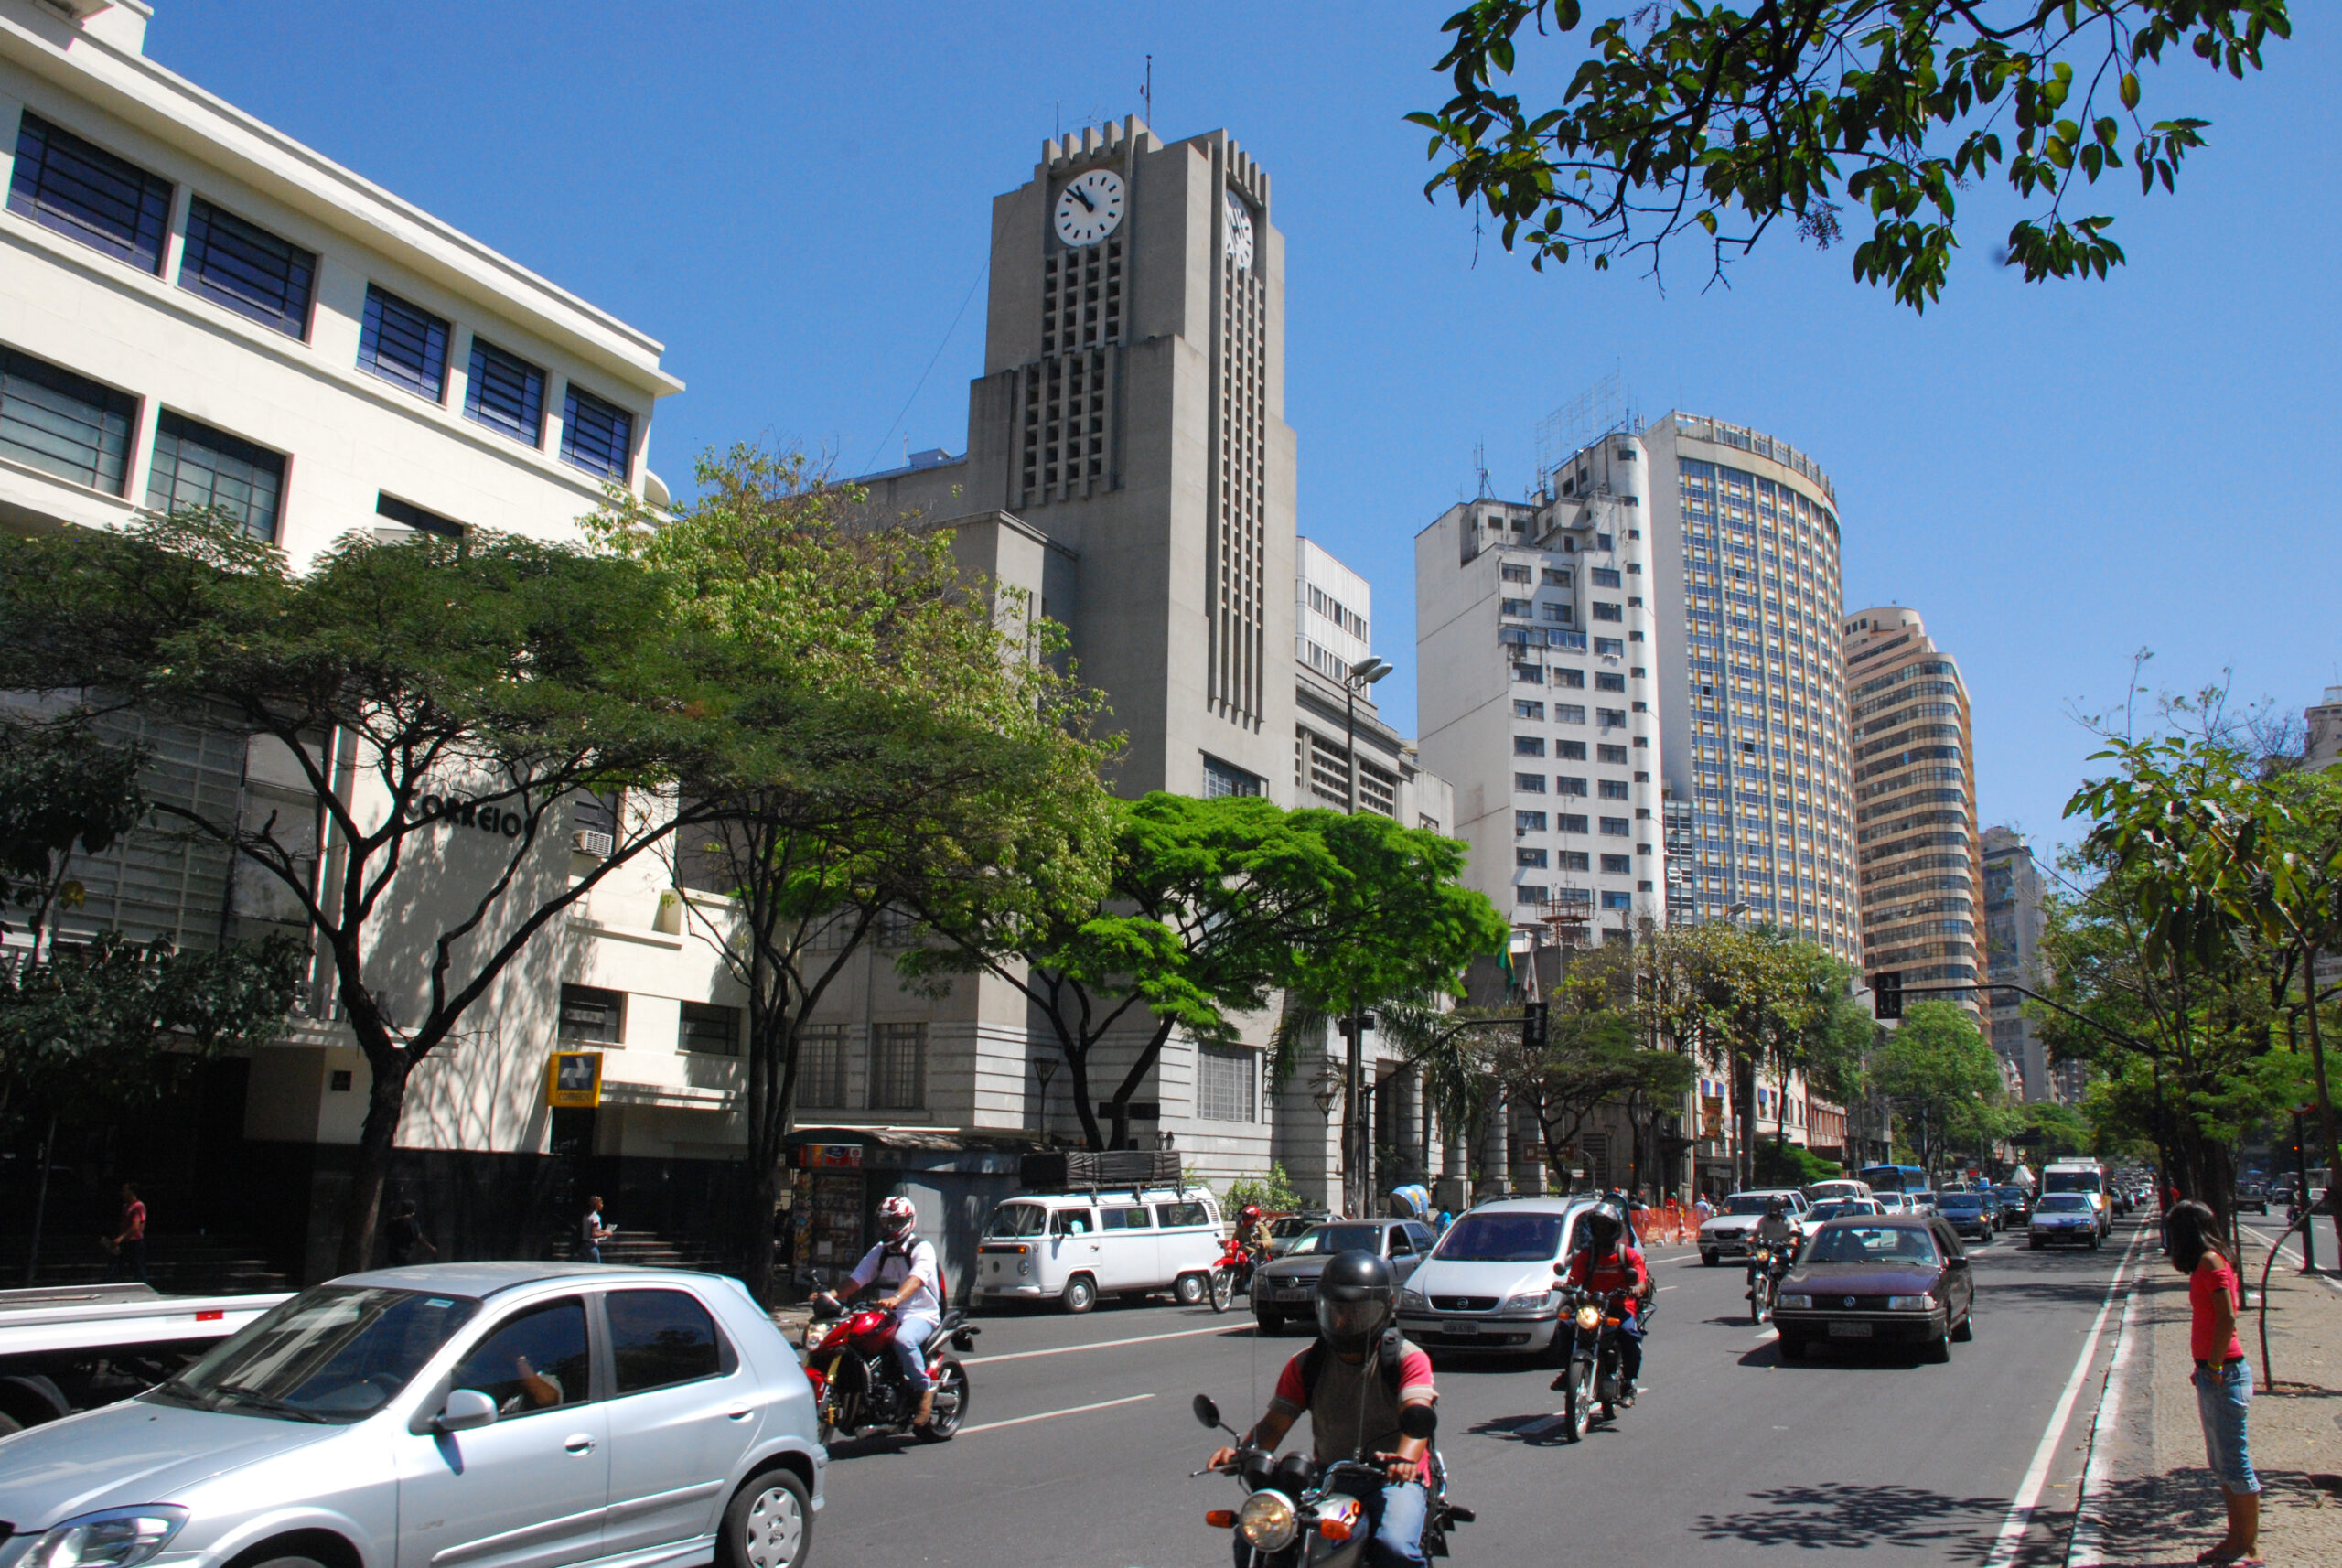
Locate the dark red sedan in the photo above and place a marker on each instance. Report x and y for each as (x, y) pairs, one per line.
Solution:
(1898, 1279)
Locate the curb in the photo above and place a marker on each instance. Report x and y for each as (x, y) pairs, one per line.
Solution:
(2085, 1542)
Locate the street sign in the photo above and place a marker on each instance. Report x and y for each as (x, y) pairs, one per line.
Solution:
(573, 1080)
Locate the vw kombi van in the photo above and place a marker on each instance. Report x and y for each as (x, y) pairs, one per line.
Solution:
(1070, 1248)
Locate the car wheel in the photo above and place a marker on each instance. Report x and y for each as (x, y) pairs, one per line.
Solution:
(769, 1523)
(290, 1559)
(1271, 1323)
(1190, 1289)
(2034, 1244)
(950, 1405)
(1967, 1329)
(1939, 1347)
(1081, 1293)
(1710, 1259)
(2093, 1241)
(1793, 1348)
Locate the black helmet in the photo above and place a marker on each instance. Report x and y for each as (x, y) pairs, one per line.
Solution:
(1776, 1204)
(1603, 1227)
(1356, 1300)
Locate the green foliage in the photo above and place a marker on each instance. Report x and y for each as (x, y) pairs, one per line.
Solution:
(61, 789)
(1273, 1193)
(1791, 1165)
(2062, 1130)
(1694, 115)
(1943, 1081)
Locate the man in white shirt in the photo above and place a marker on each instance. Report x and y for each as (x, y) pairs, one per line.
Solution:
(908, 1266)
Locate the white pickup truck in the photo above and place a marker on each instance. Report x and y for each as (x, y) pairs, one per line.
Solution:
(68, 1348)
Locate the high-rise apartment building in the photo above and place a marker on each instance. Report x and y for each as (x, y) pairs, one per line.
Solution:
(1918, 860)
(2323, 724)
(2013, 891)
(1536, 636)
(1749, 673)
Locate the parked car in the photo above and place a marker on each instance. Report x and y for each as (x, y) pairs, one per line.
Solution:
(1285, 1287)
(2252, 1195)
(1843, 1208)
(1968, 1213)
(1287, 1229)
(2062, 1217)
(1894, 1279)
(2016, 1206)
(452, 1413)
(1820, 1192)
(1072, 1247)
(1727, 1236)
(1489, 1284)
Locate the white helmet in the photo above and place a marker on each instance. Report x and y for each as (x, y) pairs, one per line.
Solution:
(895, 1218)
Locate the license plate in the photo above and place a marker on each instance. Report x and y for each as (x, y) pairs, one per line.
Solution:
(1850, 1331)
(1459, 1328)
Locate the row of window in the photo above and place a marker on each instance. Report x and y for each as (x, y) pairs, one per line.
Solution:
(1568, 784)
(1569, 751)
(84, 192)
(1570, 823)
(1538, 893)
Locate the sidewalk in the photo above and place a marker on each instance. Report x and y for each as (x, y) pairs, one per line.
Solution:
(2147, 1498)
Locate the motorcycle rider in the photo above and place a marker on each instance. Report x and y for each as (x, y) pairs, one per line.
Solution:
(903, 1262)
(1775, 1231)
(1253, 1230)
(1608, 1261)
(1353, 1382)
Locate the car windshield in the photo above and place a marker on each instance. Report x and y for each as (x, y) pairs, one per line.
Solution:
(1291, 1225)
(1843, 1207)
(333, 1354)
(2072, 1181)
(2011, 1195)
(1501, 1238)
(1874, 1244)
(1338, 1239)
(2064, 1203)
(1018, 1220)
(1749, 1203)
(1960, 1200)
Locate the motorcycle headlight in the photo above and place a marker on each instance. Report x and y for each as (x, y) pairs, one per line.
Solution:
(1266, 1520)
(1410, 1297)
(117, 1537)
(1911, 1303)
(1795, 1303)
(1589, 1317)
(1526, 1301)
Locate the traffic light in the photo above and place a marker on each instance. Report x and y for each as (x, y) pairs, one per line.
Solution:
(1533, 1027)
(1887, 993)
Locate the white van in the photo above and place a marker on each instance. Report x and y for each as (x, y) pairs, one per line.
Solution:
(1072, 1247)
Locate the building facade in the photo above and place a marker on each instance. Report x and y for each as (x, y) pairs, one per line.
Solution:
(2013, 896)
(2322, 724)
(1919, 860)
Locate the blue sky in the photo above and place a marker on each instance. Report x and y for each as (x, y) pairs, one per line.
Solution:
(796, 200)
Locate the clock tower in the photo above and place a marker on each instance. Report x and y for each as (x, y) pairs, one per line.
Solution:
(1130, 420)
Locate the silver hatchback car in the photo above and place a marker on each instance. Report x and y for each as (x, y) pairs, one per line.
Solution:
(458, 1416)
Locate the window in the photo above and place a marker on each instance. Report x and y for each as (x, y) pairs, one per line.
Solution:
(1612, 752)
(198, 466)
(899, 1066)
(1563, 676)
(1520, 607)
(1569, 822)
(1575, 859)
(1127, 1220)
(1522, 709)
(1557, 577)
(1528, 746)
(596, 436)
(1614, 790)
(821, 1067)
(591, 1016)
(711, 1029)
(62, 424)
(536, 1360)
(1605, 681)
(1170, 1214)
(660, 1338)
(1603, 576)
(403, 343)
(1617, 900)
(1610, 718)
(1073, 1222)
(1514, 572)
(1227, 1080)
(1569, 713)
(505, 393)
(1611, 645)
(1574, 750)
(1530, 857)
(245, 267)
(1566, 785)
(1529, 821)
(1222, 779)
(1604, 610)
(1617, 827)
(1528, 674)
(88, 194)
(1559, 613)
(1618, 865)
(1529, 893)
(408, 515)
(1529, 783)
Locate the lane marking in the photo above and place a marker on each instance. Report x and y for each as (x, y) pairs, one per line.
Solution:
(1099, 1344)
(2292, 1256)
(1052, 1414)
(2006, 1545)
(2085, 1547)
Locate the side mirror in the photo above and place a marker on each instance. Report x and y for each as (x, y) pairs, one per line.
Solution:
(1205, 1412)
(465, 1410)
(1418, 1420)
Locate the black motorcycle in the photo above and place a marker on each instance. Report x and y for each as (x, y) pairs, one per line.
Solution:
(1767, 1267)
(1593, 1379)
(1298, 1514)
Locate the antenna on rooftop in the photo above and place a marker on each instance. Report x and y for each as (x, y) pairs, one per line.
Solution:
(1147, 91)
(1480, 467)
(1596, 411)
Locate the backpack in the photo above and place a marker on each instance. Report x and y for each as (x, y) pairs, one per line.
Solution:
(1387, 1355)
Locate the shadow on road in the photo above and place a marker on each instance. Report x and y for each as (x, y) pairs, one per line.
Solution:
(1831, 1516)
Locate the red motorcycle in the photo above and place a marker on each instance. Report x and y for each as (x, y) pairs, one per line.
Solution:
(859, 1389)
(1231, 1274)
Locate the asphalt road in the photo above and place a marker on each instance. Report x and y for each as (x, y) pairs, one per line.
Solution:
(1079, 1440)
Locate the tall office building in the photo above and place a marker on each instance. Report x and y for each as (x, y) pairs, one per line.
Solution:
(1536, 637)
(2322, 723)
(1920, 864)
(2012, 890)
(1750, 676)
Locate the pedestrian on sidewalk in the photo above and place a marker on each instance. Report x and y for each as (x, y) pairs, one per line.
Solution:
(405, 1238)
(2223, 1377)
(592, 1232)
(129, 1243)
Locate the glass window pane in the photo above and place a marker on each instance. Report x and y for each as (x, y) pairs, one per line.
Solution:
(196, 466)
(596, 436)
(659, 1338)
(64, 183)
(247, 269)
(405, 344)
(63, 424)
(535, 1361)
(505, 393)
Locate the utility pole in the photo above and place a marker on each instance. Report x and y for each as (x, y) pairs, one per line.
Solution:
(1355, 1133)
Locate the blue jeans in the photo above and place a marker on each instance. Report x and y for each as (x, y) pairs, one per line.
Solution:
(911, 1335)
(1395, 1515)
(2223, 1395)
(1630, 1347)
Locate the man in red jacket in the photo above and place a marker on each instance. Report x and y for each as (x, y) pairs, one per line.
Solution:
(1603, 1263)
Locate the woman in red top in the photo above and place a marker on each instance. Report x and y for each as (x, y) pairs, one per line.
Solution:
(2223, 1379)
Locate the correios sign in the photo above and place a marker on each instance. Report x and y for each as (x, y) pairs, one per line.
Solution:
(487, 816)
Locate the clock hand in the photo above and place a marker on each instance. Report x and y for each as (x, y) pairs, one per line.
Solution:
(1083, 197)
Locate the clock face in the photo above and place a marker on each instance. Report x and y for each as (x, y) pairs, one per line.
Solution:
(1091, 207)
(1239, 232)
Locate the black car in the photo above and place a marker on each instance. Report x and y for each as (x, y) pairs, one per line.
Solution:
(1902, 1280)
(1970, 1213)
(2251, 1195)
(2016, 1206)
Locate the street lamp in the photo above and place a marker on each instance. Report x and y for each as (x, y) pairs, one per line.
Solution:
(1044, 1068)
(1364, 673)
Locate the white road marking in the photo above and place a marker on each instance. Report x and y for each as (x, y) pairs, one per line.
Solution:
(2290, 1255)
(2028, 1493)
(1052, 1414)
(1098, 1345)
(1670, 1287)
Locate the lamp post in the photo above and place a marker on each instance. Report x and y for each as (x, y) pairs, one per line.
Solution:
(1362, 675)
(1044, 1068)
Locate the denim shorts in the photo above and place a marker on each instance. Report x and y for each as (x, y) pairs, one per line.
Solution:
(2223, 1394)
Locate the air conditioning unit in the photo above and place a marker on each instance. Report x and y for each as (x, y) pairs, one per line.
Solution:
(590, 840)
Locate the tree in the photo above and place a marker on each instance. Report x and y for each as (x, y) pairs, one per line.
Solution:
(2054, 1131)
(1592, 1054)
(1937, 1071)
(930, 745)
(1686, 115)
(439, 703)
